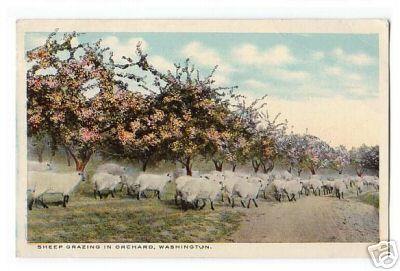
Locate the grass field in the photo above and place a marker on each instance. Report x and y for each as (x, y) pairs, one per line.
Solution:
(125, 219)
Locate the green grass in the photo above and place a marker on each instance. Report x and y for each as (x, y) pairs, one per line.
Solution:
(124, 219)
(371, 198)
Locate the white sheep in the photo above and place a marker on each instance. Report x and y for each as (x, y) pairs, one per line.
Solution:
(130, 182)
(229, 182)
(247, 191)
(114, 169)
(40, 183)
(316, 184)
(359, 185)
(152, 182)
(180, 182)
(305, 185)
(37, 166)
(105, 182)
(327, 186)
(278, 186)
(292, 188)
(196, 189)
(340, 188)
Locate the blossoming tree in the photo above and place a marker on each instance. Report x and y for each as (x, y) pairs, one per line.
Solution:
(62, 72)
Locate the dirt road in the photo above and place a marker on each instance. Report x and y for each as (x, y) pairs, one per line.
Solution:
(310, 219)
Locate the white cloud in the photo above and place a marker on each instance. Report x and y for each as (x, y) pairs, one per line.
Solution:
(161, 63)
(123, 48)
(250, 54)
(333, 70)
(289, 75)
(221, 78)
(359, 59)
(317, 56)
(251, 83)
(205, 56)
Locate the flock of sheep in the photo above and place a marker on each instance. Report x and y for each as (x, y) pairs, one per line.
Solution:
(190, 190)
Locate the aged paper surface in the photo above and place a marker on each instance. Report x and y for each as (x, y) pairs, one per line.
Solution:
(328, 78)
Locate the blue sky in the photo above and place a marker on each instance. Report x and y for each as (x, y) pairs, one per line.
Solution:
(326, 84)
(288, 66)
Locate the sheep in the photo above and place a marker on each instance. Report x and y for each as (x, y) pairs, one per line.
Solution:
(247, 191)
(105, 182)
(258, 179)
(40, 183)
(37, 166)
(359, 187)
(278, 186)
(291, 188)
(339, 187)
(152, 182)
(315, 185)
(114, 169)
(327, 186)
(196, 189)
(130, 182)
(305, 185)
(180, 182)
(229, 182)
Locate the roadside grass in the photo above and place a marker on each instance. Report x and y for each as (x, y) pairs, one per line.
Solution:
(371, 198)
(125, 219)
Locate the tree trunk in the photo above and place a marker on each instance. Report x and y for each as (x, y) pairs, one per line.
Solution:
(299, 171)
(39, 152)
(256, 165)
(188, 166)
(218, 165)
(269, 168)
(40, 157)
(312, 170)
(341, 171)
(68, 157)
(80, 162)
(144, 165)
(233, 167)
(359, 172)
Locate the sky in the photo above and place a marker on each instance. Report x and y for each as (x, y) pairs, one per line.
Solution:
(326, 84)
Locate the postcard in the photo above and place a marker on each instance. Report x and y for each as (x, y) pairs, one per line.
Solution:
(202, 138)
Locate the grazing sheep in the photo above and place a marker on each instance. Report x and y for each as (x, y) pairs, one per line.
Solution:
(327, 186)
(340, 188)
(37, 166)
(359, 185)
(292, 188)
(278, 186)
(315, 185)
(229, 182)
(40, 183)
(305, 185)
(130, 182)
(181, 181)
(152, 182)
(196, 189)
(257, 180)
(105, 182)
(247, 191)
